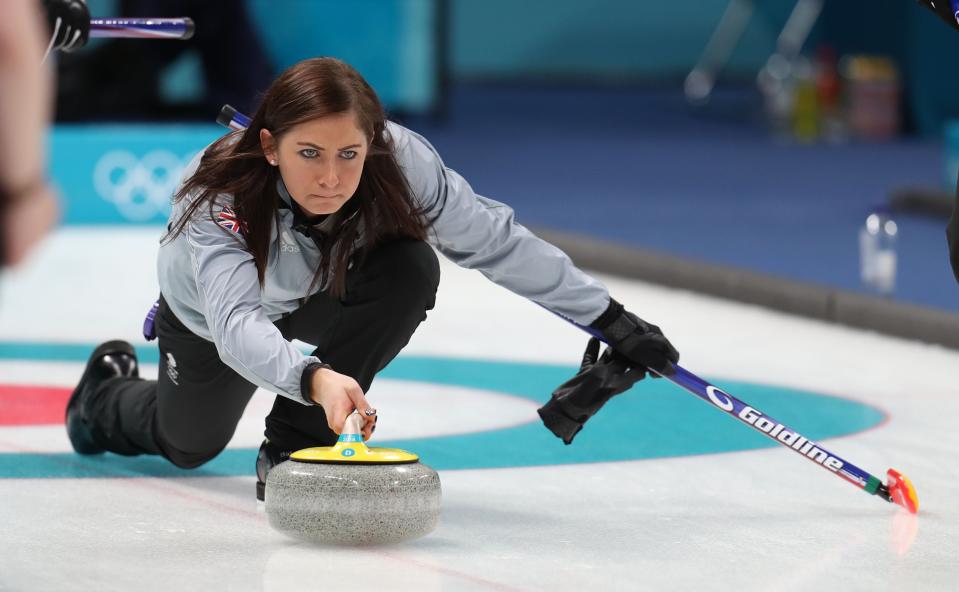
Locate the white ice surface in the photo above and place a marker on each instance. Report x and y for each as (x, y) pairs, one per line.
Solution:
(758, 520)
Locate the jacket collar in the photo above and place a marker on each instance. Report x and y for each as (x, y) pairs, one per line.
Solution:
(299, 221)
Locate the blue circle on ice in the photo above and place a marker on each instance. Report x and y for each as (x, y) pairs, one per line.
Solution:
(655, 419)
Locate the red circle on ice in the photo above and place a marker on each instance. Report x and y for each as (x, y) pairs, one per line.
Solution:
(32, 405)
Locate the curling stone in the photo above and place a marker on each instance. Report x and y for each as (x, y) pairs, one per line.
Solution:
(349, 494)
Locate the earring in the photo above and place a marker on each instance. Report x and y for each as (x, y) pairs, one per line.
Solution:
(273, 162)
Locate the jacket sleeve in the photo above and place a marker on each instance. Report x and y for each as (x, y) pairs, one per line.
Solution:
(229, 290)
(479, 233)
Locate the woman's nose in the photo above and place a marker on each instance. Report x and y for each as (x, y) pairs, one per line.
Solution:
(328, 176)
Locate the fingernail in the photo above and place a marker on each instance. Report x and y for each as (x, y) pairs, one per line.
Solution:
(370, 412)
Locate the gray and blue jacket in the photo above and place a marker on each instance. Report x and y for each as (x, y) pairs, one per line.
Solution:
(210, 281)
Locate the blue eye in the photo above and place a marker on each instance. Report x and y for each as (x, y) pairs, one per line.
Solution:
(348, 154)
(309, 153)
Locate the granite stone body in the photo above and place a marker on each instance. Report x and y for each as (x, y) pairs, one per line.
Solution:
(353, 504)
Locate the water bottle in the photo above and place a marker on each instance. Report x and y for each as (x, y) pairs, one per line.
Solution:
(877, 252)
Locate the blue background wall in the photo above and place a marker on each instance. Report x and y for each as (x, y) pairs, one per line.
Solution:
(600, 38)
(393, 43)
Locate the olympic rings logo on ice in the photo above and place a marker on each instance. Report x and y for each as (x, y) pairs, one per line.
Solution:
(140, 188)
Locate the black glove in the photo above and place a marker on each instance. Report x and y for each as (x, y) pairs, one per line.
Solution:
(639, 342)
(580, 397)
(69, 22)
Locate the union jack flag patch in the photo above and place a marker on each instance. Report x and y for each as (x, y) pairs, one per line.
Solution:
(227, 219)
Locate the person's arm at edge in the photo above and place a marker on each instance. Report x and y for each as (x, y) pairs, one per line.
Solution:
(29, 204)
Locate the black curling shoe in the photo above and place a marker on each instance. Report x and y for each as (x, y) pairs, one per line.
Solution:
(268, 457)
(109, 360)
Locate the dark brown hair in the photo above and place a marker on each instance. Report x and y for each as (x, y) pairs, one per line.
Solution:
(382, 207)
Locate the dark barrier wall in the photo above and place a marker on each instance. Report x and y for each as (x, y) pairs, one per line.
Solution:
(395, 44)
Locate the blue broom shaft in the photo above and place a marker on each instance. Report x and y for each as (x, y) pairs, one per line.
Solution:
(142, 28)
(773, 429)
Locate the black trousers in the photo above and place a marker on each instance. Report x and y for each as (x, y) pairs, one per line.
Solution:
(190, 420)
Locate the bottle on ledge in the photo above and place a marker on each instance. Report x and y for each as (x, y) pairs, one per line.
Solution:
(877, 252)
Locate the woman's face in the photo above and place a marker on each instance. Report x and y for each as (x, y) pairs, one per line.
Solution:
(320, 161)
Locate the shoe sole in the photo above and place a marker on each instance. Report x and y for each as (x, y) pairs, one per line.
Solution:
(82, 444)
